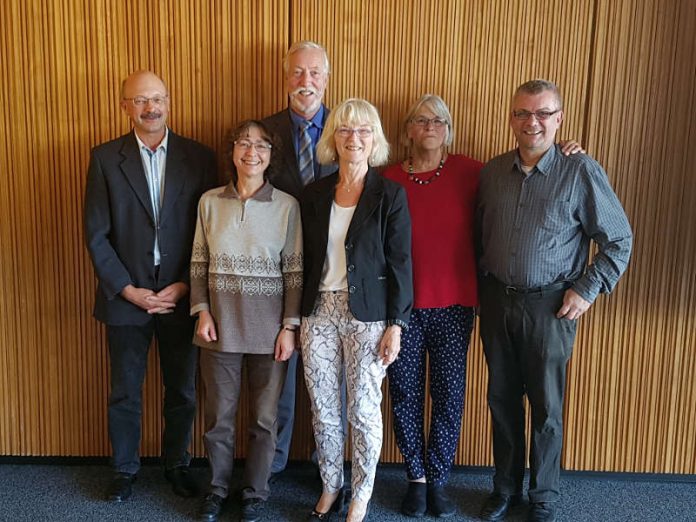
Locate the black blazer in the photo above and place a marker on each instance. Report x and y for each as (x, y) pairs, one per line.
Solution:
(120, 228)
(378, 248)
(285, 175)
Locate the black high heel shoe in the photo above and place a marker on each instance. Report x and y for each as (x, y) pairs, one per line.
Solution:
(338, 506)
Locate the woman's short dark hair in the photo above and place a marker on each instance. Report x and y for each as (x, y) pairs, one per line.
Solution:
(241, 131)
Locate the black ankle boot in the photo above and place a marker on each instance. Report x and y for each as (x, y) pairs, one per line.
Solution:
(439, 504)
(413, 504)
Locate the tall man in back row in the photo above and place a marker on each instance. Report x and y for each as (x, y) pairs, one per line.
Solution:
(140, 215)
(538, 211)
(299, 127)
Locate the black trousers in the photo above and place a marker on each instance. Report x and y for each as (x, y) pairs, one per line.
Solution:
(128, 349)
(527, 351)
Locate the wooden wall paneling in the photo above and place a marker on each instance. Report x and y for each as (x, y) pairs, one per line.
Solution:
(626, 70)
(8, 397)
(639, 341)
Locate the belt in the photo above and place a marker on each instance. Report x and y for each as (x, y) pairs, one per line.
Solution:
(520, 290)
(563, 285)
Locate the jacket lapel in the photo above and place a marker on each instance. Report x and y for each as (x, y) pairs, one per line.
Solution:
(289, 158)
(175, 175)
(369, 201)
(328, 168)
(132, 168)
(322, 209)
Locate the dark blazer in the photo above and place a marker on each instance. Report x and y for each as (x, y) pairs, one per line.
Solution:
(378, 248)
(285, 175)
(120, 227)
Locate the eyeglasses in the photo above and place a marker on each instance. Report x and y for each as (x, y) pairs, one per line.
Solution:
(259, 146)
(539, 115)
(421, 121)
(141, 101)
(347, 132)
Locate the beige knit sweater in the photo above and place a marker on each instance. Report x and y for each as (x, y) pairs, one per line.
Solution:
(246, 267)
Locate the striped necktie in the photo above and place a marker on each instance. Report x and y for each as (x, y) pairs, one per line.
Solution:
(306, 160)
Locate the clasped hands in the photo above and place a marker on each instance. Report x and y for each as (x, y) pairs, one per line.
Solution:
(162, 302)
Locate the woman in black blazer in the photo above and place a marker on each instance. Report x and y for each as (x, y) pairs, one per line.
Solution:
(357, 297)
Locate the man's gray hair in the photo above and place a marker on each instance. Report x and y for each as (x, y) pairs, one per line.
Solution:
(538, 86)
(301, 45)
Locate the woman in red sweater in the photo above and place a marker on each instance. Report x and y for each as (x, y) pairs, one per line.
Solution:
(441, 190)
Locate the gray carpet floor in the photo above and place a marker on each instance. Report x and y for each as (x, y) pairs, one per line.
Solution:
(76, 492)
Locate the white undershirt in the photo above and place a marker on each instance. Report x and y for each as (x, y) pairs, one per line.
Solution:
(333, 275)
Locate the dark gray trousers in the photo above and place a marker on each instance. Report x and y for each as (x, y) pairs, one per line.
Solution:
(527, 350)
(128, 350)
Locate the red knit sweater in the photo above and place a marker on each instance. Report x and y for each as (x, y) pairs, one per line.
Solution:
(442, 216)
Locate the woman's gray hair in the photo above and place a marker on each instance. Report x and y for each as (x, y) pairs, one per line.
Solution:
(353, 112)
(438, 107)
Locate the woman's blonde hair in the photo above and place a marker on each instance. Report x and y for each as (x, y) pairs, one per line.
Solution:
(353, 112)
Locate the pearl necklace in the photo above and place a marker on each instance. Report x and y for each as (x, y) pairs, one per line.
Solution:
(412, 176)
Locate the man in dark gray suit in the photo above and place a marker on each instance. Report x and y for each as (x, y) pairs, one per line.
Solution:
(140, 212)
(299, 128)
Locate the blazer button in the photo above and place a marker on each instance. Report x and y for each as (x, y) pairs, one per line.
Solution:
(349, 246)
(351, 289)
(351, 268)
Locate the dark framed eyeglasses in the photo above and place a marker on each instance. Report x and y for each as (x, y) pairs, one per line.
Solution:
(523, 115)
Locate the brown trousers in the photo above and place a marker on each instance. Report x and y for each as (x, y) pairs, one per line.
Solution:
(222, 376)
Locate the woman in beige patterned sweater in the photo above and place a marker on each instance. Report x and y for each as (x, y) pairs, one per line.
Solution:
(246, 286)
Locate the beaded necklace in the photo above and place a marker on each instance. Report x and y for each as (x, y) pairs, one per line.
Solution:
(412, 176)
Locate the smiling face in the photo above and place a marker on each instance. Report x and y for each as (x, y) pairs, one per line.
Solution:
(535, 136)
(306, 81)
(149, 118)
(249, 156)
(354, 142)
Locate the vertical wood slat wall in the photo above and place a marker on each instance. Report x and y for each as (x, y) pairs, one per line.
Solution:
(627, 70)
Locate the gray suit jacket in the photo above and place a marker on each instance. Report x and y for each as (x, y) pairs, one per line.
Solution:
(120, 227)
(286, 175)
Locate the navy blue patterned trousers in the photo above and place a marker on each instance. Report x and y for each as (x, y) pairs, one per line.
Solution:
(444, 334)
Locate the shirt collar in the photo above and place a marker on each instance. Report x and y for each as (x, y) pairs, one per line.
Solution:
(543, 165)
(317, 120)
(263, 194)
(162, 144)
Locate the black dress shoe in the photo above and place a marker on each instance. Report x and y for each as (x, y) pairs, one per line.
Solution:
(210, 508)
(414, 504)
(182, 482)
(541, 512)
(439, 504)
(251, 509)
(497, 506)
(121, 487)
